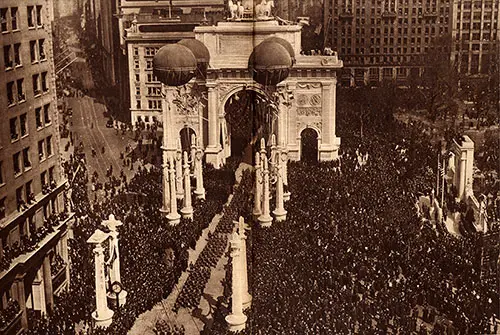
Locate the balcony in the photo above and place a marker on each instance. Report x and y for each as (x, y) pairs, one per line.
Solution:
(389, 15)
(346, 15)
(13, 327)
(431, 14)
(25, 260)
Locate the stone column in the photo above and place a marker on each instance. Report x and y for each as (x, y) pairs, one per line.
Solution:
(20, 296)
(236, 320)
(166, 185)
(246, 297)
(193, 154)
(273, 153)
(102, 315)
(168, 109)
(279, 212)
(213, 147)
(200, 190)
(178, 172)
(187, 208)
(114, 252)
(257, 199)
(65, 256)
(462, 176)
(173, 217)
(47, 283)
(284, 168)
(265, 219)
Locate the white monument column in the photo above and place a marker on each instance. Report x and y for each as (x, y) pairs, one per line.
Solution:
(102, 316)
(213, 147)
(279, 212)
(236, 320)
(273, 153)
(257, 199)
(166, 185)
(114, 253)
(463, 176)
(173, 217)
(193, 154)
(246, 297)
(178, 172)
(187, 208)
(284, 167)
(168, 109)
(265, 219)
(200, 190)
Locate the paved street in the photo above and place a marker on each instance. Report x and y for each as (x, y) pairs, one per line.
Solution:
(89, 128)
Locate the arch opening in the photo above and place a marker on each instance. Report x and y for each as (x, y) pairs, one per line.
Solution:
(309, 146)
(248, 118)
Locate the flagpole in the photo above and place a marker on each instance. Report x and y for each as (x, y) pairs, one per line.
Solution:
(442, 188)
(437, 175)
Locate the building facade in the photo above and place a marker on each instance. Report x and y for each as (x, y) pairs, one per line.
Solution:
(33, 213)
(144, 27)
(384, 39)
(476, 35)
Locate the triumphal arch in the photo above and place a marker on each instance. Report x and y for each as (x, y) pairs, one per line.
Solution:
(249, 73)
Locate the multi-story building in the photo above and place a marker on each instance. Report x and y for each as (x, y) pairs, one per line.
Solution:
(385, 39)
(33, 214)
(145, 26)
(476, 35)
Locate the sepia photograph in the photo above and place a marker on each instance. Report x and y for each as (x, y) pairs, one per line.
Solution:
(249, 167)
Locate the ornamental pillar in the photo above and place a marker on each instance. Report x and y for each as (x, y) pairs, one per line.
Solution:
(200, 190)
(257, 198)
(265, 219)
(279, 212)
(213, 147)
(114, 261)
(236, 320)
(102, 315)
(173, 217)
(187, 208)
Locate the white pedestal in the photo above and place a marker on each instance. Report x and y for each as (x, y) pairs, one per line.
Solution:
(200, 194)
(236, 323)
(174, 218)
(112, 298)
(286, 196)
(247, 300)
(280, 215)
(164, 211)
(256, 214)
(187, 212)
(103, 318)
(265, 220)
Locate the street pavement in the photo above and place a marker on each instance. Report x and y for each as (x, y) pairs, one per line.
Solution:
(88, 125)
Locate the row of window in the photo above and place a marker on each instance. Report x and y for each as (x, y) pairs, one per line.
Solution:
(12, 53)
(153, 91)
(149, 64)
(148, 51)
(22, 160)
(150, 78)
(19, 125)
(9, 18)
(152, 104)
(15, 89)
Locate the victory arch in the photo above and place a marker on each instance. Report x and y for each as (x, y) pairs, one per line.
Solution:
(254, 59)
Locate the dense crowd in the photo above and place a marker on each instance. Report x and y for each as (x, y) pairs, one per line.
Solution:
(354, 255)
(153, 253)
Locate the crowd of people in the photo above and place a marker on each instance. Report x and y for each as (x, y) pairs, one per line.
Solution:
(146, 241)
(354, 256)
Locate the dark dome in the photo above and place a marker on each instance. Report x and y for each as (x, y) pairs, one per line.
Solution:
(284, 43)
(199, 51)
(174, 65)
(269, 63)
